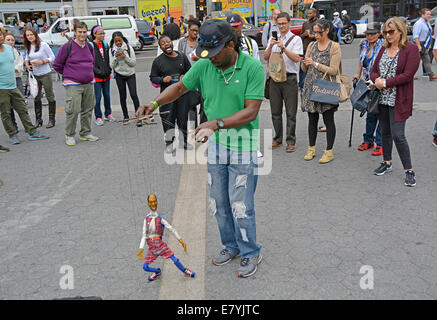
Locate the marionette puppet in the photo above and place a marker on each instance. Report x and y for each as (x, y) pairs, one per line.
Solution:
(153, 230)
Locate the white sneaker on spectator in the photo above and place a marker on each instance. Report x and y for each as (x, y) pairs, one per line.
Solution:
(89, 137)
(70, 141)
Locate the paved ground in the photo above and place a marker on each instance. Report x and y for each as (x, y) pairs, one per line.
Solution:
(83, 207)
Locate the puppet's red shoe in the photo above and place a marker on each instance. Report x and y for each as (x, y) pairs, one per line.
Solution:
(154, 276)
(189, 273)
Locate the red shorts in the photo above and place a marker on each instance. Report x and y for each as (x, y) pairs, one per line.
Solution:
(157, 248)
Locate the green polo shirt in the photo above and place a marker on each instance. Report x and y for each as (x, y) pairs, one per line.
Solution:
(223, 100)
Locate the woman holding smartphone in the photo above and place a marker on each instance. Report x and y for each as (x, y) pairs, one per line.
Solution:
(122, 61)
(39, 56)
(323, 57)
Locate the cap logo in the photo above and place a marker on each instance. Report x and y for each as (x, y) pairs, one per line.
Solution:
(204, 53)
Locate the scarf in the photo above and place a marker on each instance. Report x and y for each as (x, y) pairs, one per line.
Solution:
(364, 55)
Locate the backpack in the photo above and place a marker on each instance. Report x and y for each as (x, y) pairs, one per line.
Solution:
(249, 45)
(91, 47)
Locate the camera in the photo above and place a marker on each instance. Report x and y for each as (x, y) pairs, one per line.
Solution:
(175, 78)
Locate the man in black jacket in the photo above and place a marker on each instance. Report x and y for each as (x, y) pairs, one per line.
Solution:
(168, 68)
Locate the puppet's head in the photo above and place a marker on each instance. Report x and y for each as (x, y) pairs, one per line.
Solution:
(153, 202)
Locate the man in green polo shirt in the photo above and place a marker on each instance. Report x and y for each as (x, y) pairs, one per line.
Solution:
(232, 85)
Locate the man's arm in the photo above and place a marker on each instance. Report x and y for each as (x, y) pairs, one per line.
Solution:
(298, 46)
(265, 36)
(170, 94)
(236, 120)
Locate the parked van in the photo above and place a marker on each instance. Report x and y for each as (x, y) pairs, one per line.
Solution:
(110, 23)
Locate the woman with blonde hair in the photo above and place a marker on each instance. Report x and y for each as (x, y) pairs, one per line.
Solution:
(393, 73)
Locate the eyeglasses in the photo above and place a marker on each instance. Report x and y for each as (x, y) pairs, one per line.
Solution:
(282, 24)
(390, 32)
(194, 30)
(319, 32)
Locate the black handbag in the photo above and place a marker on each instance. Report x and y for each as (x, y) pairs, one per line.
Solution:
(373, 105)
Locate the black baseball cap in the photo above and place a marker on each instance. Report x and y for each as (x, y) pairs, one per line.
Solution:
(234, 20)
(213, 35)
(373, 27)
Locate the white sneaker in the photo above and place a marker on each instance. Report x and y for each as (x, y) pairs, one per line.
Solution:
(89, 137)
(70, 141)
(99, 122)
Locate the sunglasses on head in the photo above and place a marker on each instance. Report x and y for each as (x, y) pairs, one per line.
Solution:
(390, 32)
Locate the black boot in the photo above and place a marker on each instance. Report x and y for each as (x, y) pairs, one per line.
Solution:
(38, 114)
(52, 114)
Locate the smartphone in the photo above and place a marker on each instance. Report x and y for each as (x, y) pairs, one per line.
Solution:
(275, 35)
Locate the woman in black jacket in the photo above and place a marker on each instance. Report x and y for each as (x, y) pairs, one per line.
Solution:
(102, 75)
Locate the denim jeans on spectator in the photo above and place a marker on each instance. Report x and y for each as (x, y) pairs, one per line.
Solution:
(104, 87)
(338, 30)
(232, 180)
(371, 124)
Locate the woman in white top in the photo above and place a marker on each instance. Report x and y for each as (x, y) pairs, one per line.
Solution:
(39, 56)
(18, 64)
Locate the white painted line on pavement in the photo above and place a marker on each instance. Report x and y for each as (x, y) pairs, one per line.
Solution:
(189, 219)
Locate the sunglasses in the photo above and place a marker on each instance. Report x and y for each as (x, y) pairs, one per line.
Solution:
(390, 32)
(319, 32)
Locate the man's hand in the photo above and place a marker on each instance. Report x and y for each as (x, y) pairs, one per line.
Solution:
(272, 42)
(144, 110)
(183, 244)
(140, 254)
(205, 130)
(167, 79)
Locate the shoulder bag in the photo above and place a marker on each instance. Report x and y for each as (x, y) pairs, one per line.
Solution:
(277, 68)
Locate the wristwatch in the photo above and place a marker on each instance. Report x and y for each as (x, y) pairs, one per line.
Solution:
(220, 123)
